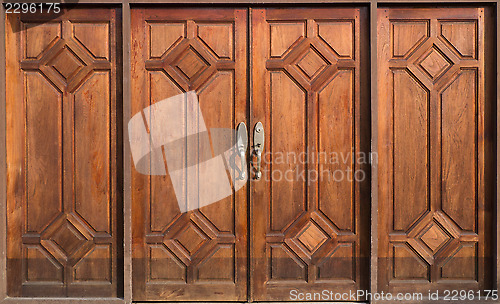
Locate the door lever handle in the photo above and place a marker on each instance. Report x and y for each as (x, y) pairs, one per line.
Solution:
(241, 144)
(258, 147)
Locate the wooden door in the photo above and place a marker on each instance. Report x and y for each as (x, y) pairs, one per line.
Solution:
(310, 219)
(63, 159)
(200, 254)
(436, 135)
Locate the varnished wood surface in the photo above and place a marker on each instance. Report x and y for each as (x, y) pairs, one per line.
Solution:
(374, 104)
(63, 180)
(201, 254)
(435, 144)
(308, 91)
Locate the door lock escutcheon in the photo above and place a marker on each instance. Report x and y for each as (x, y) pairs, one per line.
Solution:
(258, 147)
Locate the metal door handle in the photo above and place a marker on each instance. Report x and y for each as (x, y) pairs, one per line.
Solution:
(258, 147)
(242, 143)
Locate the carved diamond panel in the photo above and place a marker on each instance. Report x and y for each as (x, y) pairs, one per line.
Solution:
(191, 64)
(312, 63)
(66, 63)
(191, 238)
(312, 237)
(434, 237)
(312, 60)
(68, 238)
(435, 63)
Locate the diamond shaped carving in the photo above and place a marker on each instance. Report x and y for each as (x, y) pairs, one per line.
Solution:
(191, 238)
(312, 63)
(311, 236)
(191, 64)
(434, 237)
(66, 64)
(435, 63)
(68, 238)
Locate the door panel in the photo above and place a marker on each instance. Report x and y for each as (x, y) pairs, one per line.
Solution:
(310, 225)
(199, 254)
(435, 137)
(63, 197)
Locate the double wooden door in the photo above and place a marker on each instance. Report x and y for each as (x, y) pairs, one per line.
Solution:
(307, 225)
(310, 91)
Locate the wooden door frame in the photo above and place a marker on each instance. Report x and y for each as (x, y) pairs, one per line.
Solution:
(126, 106)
